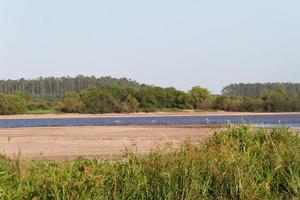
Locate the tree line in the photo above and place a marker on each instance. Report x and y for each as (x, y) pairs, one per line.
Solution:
(123, 95)
(58, 87)
(259, 89)
(273, 101)
(146, 99)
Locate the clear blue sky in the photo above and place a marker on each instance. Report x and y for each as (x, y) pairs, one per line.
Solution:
(177, 43)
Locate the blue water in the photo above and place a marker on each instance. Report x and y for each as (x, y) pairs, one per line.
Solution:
(292, 121)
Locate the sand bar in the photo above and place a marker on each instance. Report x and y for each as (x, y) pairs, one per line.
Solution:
(60, 143)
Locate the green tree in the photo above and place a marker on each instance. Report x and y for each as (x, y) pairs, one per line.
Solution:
(96, 101)
(72, 103)
(5, 105)
(251, 105)
(12, 104)
(200, 97)
(147, 99)
(129, 104)
(276, 101)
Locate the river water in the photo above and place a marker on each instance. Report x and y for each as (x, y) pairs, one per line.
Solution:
(287, 120)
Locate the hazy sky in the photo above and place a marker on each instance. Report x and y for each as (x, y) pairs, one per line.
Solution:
(177, 43)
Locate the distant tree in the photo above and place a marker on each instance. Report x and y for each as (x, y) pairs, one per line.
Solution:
(72, 103)
(183, 101)
(228, 103)
(147, 99)
(251, 104)
(218, 103)
(132, 103)
(259, 89)
(39, 104)
(295, 103)
(200, 97)
(276, 101)
(57, 87)
(96, 101)
(128, 104)
(5, 105)
(12, 104)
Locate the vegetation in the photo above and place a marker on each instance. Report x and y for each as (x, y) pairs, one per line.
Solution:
(200, 97)
(259, 89)
(274, 101)
(12, 104)
(236, 163)
(58, 87)
(106, 95)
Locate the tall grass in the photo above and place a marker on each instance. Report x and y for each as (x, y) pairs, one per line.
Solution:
(236, 163)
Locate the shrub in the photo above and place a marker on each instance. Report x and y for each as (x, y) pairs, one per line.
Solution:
(72, 103)
(129, 104)
(96, 101)
(12, 104)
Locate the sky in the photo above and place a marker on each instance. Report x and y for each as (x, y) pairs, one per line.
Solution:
(179, 43)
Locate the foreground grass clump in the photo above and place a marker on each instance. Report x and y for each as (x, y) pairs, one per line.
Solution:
(236, 163)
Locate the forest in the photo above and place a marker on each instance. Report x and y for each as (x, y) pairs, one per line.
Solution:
(57, 87)
(259, 89)
(106, 95)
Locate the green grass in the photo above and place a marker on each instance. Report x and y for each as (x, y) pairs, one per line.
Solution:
(236, 163)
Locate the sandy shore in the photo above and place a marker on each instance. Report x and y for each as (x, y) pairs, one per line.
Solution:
(98, 141)
(155, 114)
(61, 143)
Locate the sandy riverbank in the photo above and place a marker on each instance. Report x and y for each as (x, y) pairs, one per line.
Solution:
(98, 141)
(61, 143)
(154, 114)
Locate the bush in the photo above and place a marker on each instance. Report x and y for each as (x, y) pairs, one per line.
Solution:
(38, 105)
(72, 103)
(96, 101)
(129, 104)
(251, 105)
(12, 104)
(200, 97)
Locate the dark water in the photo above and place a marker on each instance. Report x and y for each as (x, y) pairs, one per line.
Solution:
(292, 120)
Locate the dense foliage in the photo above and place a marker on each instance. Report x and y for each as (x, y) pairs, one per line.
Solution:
(122, 95)
(107, 99)
(259, 89)
(274, 101)
(12, 104)
(236, 163)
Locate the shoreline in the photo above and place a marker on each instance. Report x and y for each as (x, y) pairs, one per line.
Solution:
(141, 114)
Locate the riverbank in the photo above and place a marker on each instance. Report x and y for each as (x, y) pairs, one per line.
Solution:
(141, 114)
(238, 162)
(64, 143)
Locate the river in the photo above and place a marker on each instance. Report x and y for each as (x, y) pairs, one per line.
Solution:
(287, 120)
